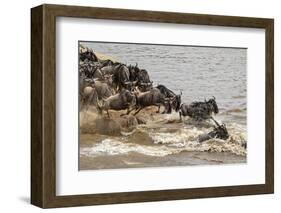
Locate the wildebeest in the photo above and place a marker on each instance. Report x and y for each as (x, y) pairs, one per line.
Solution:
(174, 100)
(90, 70)
(219, 131)
(199, 110)
(92, 90)
(105, 63)
(141, 77)
(152, 97)
(101, 90)
(86, 91)
(121, 101)
(121, 78)
(88, 55)
(87, 97)
(109, 68)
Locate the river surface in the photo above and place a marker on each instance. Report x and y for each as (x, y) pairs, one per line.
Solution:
(199, 72)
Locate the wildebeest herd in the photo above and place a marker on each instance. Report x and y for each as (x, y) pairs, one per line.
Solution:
(110, 85)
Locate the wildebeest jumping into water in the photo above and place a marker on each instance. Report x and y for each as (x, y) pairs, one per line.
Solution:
(219, 131)
(174, 100)
(199, 110)
(152, 97)
(91, 91)
(121, 101)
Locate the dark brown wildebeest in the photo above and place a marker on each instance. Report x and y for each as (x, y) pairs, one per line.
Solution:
(91, 70)
(121, 78)
(121, 101)
(92, 90)
(152, 97)
(102, 89)
(219, 131)
(141, 77)
(106, 63)
(175, 100)
(88, 55)
(109, 69)
(199, 110)
(86, 91)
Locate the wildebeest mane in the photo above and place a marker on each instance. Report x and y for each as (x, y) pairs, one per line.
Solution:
(165, 91)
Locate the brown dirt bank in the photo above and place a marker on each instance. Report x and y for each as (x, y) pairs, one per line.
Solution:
(91, 122)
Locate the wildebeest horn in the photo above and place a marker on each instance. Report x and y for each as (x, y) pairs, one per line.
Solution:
(180, 92)
(136, 64)
(214, 97)
(127, 83)
(145, 84)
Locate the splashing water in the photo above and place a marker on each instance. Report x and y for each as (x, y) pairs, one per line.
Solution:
(160, 143)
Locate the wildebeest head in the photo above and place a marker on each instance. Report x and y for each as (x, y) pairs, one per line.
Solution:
(143, 87)
(130, 85)
(144, 82)
(141, 76)
(134, 72)
(221, 132)
(213, 104)
(108, 79)
(121, 76)
(128, 97)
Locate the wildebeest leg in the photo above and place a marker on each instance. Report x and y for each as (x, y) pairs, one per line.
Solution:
(108, 114)
(180, 115)
(127, 113)
(128, 110)
(158, 111)
(138, 110)
(169, 109)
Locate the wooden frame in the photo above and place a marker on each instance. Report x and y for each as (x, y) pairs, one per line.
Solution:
(43, 105)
